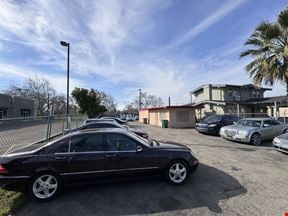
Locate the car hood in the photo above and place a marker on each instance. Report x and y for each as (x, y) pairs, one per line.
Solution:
(169, 145)
(238, 127)
(136, 131)
(283, 136)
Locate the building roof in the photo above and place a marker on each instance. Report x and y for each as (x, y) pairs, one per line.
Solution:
(247, 86)
(264, 101)
(267, 100)
(186, 106)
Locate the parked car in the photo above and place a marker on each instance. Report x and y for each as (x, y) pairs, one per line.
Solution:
(92, 120)
(129, 118)
(94, 155)
(120, 121)
(280, 143)
(107, 124)
(212, 124)
(254, 130)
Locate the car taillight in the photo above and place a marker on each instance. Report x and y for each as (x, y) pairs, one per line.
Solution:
(3, 170)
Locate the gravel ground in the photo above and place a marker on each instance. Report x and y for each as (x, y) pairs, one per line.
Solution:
(233, 179)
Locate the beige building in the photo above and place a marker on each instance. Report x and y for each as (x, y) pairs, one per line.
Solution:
(243, 100)
(228, 99)
(177, 116)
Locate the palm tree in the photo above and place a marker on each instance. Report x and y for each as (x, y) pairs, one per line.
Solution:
(269, 51)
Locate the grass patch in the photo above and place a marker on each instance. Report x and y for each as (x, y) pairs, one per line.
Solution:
(10, 201)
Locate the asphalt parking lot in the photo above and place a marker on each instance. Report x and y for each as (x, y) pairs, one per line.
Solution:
(233, 179)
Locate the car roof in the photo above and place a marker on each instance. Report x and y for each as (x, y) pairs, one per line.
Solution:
(259, 119)
(101, 119)
(101, 122)
(99, 130)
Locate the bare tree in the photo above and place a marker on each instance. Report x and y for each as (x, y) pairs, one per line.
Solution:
(146, 101)
(35, 88)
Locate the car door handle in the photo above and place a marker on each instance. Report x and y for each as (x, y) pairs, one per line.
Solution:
(60, 157)
(110, 155)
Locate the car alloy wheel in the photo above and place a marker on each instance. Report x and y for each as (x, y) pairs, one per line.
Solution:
(256, 139)
(45, 186)
(177, 172)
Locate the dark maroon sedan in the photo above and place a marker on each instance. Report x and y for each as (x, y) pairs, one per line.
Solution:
(94, 155)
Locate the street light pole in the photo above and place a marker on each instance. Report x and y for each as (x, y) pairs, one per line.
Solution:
(140, 102)
(63, 43)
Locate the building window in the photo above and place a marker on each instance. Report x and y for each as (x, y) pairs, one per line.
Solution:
(258, 94)
(182, 116)
(3, 113)
(230, 92)
(25, 112)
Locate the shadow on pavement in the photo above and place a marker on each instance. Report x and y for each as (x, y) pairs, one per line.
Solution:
(204, 189)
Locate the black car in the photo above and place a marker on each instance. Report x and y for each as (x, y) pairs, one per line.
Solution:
(107, 124)
(92, 120)
(94, 155)
(120, 121)
(212, 124)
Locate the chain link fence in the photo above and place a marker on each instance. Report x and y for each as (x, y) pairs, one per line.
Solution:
(18, 132)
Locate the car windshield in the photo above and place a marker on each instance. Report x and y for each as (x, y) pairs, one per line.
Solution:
(249, 122)
(213, 119)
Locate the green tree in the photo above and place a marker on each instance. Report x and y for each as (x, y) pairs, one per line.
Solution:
(89, 101)
(269, 51)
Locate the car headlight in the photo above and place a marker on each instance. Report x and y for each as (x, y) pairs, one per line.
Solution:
(276, 140)
(212, 125)
(244, 133)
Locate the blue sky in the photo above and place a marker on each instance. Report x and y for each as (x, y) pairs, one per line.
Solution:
(164, 47)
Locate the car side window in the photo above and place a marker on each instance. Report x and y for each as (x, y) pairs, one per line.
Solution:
(267, 122)
(275, 122)
(87, 143)
(63, 146)
(120, 142)
(108, 126)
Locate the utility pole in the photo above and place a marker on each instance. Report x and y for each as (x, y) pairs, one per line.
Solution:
(140, 102)
(169, 102)
(48, 104)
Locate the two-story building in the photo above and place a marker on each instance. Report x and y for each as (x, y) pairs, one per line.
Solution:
(231, 99)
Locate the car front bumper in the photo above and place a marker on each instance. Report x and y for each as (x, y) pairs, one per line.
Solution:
(280, 147)
(208, 130)
(236, 137)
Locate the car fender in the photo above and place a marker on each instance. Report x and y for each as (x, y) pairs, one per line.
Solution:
(251, 132)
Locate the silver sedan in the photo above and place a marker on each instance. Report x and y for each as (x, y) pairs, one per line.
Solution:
(254, 130)
(280, 143)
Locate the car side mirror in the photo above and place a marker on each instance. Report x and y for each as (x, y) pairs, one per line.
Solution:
(139, 149)
(266, 125)
(234, 123)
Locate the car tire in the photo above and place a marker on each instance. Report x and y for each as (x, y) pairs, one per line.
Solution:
(256, 139)
(177, 172)
(45, 186)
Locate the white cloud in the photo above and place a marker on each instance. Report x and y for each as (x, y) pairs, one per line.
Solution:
(57, 81)
(100, 32)
(219, 14)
